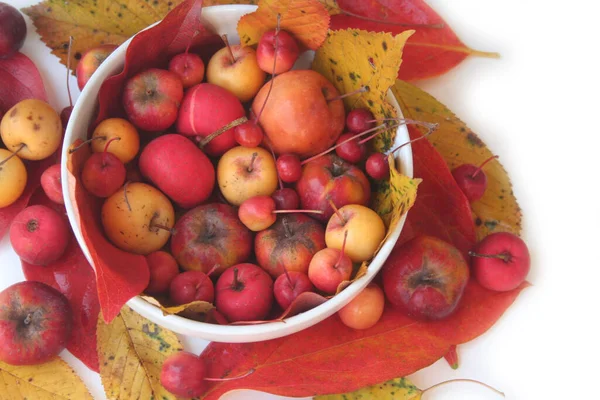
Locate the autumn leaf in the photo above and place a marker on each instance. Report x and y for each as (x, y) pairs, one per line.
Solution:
(498, 210)
(306, 20)
(330, 358)
(54, 380)
(196, 307)
(93, 23)
(395, 389)
(19, 80)
(132, 350)
(353, 59)
(451, 357)
(431, 51)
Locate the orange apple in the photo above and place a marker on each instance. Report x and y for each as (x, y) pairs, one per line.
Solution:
(245, 172)
(365, 229)
(241, 74)
(298, 118)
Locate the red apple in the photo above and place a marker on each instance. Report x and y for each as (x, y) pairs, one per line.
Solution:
(291, 242)
(244, 292)
(289, 286)
(151, 99)
(189, 67)
(103, 174)
(179, 169)
(286, 199)
(298, 118)
(286, 52)
(163, 269)
(39, 235)
(90, 61)
(425, 278)
(205, 109)
(51, 183)
(35, 323)
(210, 235)
(183, 373)
(192, 286)
(328, 268)
(331, 178)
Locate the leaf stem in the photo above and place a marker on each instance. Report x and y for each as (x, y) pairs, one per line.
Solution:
(463, 380)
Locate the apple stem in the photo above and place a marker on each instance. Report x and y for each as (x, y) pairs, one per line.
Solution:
(386, 22)
(332, 148)
(337, 212)
(74, 149)
(110, 141)
(506, 256)
(204, 141)
(386, 128)
(251, 166)
(28, 319)
(297, 211)
(463, 380)
(342, 250)
(429, 132)
(482, 165)
(224, 37)
(286, 227)
(69, 70)
(361, 89)
(287, 275)
(125, 195)
(275, 159)
(159, 226)
(213, 269)
(187, 49)
(401, 121)
(264, 104)
(21, 147)
(250, 372)
(236, 284)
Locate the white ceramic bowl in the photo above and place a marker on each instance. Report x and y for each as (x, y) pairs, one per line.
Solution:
(224, 20)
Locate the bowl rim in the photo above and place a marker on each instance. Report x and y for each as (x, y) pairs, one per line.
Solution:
(215, 332)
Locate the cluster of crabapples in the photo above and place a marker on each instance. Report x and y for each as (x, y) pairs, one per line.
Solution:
(239, 190)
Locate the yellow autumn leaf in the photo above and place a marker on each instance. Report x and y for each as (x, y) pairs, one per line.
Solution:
(352, 59)
(395, 389)
(131, 351)
(498, 210)
(199, 307)
(306, 20)
(54, 380)
(93, 22)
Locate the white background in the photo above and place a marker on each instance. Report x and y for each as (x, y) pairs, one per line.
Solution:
(537, 107)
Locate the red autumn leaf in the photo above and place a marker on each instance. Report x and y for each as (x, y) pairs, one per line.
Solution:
(332, 358)
(73, 276)
(441, 209)
(19, 80)
(119, 275)
(154, 47)
(429, 52)
(451, 357)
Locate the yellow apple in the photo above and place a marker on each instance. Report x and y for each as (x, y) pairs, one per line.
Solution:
(245, 172)
(141, 222)
(241, 75)
(365, 229)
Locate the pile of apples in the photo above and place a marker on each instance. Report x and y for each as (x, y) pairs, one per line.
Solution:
(232, 179)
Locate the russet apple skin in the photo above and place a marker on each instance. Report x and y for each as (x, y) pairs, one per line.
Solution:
(297, 117)
(331, 178)
(292, 247)
(151, 99)
(205, 109)
(179, 169)
(35, 323)
(425, 278)
(210, 235)
(287, 52)
(90, 61)
(242, 77)
(240, 179)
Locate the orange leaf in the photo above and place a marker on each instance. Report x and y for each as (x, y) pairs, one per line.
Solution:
(306, 20)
